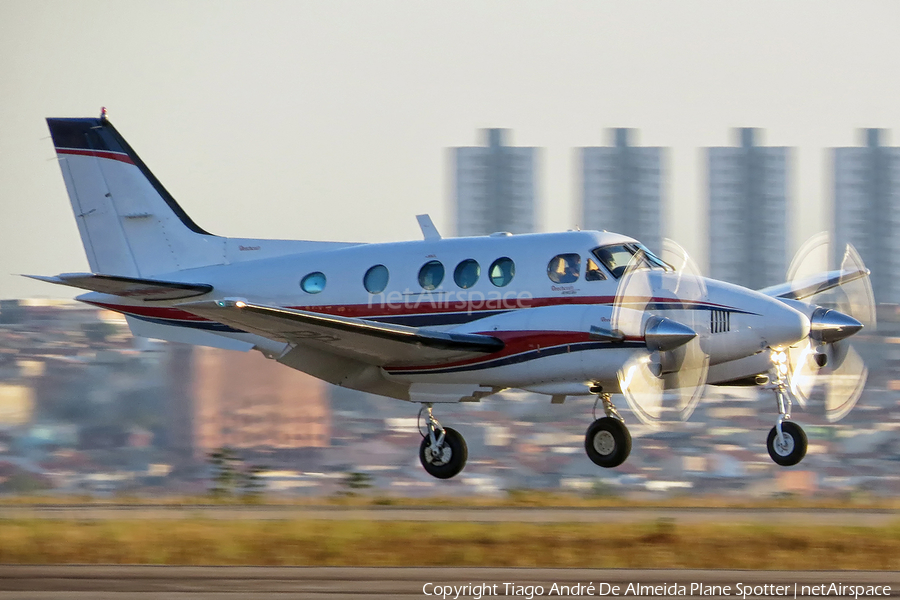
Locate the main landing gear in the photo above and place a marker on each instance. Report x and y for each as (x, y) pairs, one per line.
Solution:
(607, 441)
(443, 451)
(787, 441)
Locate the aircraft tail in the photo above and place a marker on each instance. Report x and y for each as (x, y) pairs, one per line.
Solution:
(129, 224)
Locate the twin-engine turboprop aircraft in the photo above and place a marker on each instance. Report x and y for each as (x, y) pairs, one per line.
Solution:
(456, 320)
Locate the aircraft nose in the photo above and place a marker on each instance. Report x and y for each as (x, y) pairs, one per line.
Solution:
(784, 326)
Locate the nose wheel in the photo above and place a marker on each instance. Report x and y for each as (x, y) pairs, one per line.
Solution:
(607, 441)
(787, 441)
(790, 448)
(443, 451)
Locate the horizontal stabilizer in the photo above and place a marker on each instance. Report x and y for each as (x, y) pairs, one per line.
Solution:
(801, 289)
(369, 341)
(147, 290)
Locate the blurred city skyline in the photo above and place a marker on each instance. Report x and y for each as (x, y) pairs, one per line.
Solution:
(748, 191)
(329, 120)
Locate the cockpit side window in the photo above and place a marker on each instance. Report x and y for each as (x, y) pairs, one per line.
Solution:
(616, 258)
(592, 271)
(564, 268)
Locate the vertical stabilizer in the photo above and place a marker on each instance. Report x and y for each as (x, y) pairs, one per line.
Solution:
(129, 224)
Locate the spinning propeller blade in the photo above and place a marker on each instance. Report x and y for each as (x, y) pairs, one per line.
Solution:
(664, 381)
(826, 361)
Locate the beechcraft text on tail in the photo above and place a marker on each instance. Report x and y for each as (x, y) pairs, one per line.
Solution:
(459, 319)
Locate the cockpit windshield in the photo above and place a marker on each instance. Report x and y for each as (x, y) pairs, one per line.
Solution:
(616, 257)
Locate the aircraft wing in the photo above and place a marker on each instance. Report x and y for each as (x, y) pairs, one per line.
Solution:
(368, 341)
(129, 287)
(806, 287)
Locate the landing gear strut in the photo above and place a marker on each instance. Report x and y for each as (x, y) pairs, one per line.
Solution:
(787, 441)
(443, 451)
(607, 441)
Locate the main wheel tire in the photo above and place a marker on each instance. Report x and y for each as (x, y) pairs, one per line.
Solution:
(607, 442)
(451, 458)
(794, 448)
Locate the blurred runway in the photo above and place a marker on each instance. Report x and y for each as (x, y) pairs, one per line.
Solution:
(344, 583)
(793, 516)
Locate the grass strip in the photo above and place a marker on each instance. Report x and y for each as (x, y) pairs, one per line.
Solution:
(512, 498)
(659, 544)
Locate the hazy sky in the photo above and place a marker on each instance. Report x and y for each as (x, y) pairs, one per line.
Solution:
(329, 120)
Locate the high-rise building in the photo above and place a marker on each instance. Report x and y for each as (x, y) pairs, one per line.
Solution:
(622, 189)
(242, 400)
(867, 209)
(495, 187)
(748, 212)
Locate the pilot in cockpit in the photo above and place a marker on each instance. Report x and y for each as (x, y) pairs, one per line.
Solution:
(592, 271)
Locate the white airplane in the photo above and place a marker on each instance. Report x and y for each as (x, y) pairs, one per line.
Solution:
(455, 320)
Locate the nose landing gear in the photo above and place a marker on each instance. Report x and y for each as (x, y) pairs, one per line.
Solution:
(791, 447)
(607, 441)
(787, 441)
(443, 451)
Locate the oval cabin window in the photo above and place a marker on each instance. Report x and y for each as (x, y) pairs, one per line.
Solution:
(376, 279)
(313, 283)
(431, 275)
(502, 271)
(564, 268)
(467, 273)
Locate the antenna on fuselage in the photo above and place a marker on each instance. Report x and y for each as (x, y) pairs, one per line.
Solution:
(429, 231)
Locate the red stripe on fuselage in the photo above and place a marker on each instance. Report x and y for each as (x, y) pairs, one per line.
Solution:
(366, 311)
(435, 307)
(515, 342)
(97, 153)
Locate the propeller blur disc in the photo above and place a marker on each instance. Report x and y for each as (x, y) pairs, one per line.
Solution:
(662, 386)
(835, 387)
